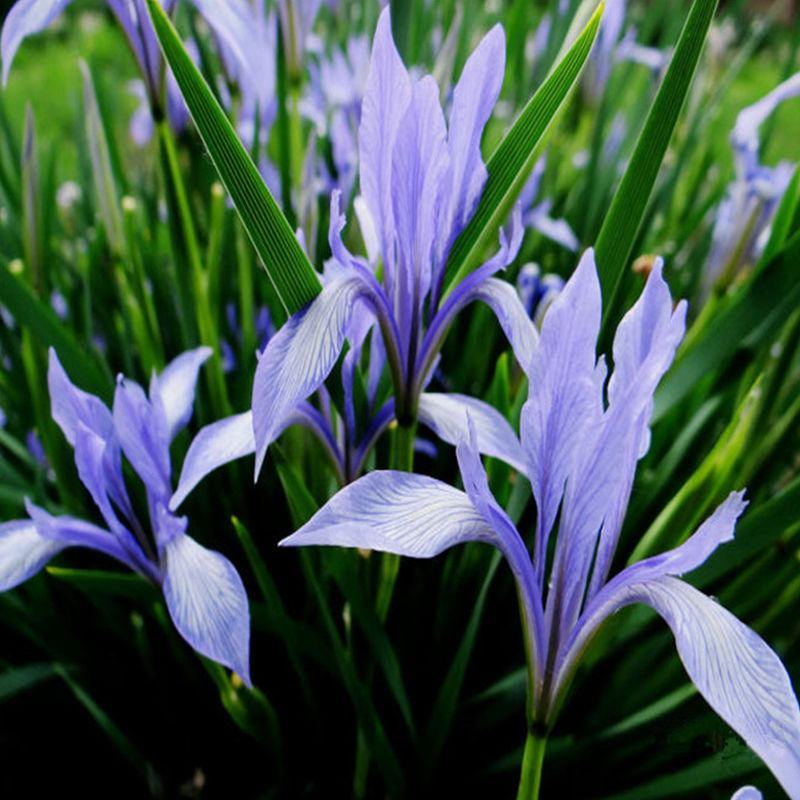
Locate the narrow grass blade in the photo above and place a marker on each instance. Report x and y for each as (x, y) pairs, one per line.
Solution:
(105, 188)
(512, 161)
(43, 323)
(20, 679)
(769, 294)
(622, 223)
(290, 271)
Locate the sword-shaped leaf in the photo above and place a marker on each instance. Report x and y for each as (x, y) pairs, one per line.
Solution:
(512, 161)
(621, 226)
(287, 266)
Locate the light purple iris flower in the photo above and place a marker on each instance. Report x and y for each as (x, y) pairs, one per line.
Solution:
(28, 17)
(420, 180)
(332, 102)
(202, 589)
(235, 24)
(297, 19)
(581, 457)
(746, 213)
(537, 215)
(610, 49)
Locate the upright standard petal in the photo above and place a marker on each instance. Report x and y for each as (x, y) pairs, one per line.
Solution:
(563, 397)
(644, 347)
(599, 488)
(446, 416)
(299, 357)
(23, 552)
(395, 512)
(173, 390)
(208, 604)
(419, 165)
(25, 18)
(386, 98)
(144, 437)
(72, 408)
(474, 97)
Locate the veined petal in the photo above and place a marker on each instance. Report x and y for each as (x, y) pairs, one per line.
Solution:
(208, 604)
(647, 336)
(735, 670)
(474, 97)
(386, 98)
(563, 397)
(299, 357)
(23, 552)
(446, 416)
(216, 444)
(25, 18)
(72, 408)
(175, 387)
(419, 165)
(395, 512)
(644, 346)
(144, 437)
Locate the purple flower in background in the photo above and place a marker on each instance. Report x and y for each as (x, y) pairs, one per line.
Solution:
(297, 19)
(746, 213)
(610, 49)
(581, 455)
(203, 592)
(59, 305)
(28, 17)
(420, 181)
(142, 124)
(537, 215)
(333, 98)
(537, 291)
(35, 447)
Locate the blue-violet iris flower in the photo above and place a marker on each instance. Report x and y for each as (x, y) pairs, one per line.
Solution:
(581, 459)
(202, 589)
(745, 214)
(420, 181)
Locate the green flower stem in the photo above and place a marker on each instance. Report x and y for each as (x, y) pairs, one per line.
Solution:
(530, 779)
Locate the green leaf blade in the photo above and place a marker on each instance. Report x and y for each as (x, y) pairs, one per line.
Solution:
(294, 279)
(621, 226)
(513, 160)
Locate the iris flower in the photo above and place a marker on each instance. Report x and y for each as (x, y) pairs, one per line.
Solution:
(241, 30)
(581, 459)
(420, 180)
(747, 211)
(202, 589)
